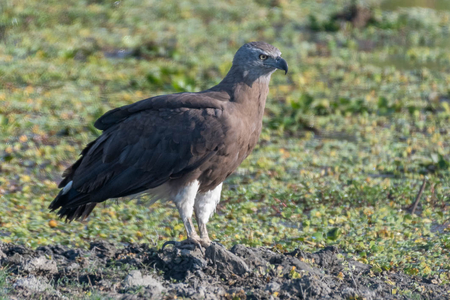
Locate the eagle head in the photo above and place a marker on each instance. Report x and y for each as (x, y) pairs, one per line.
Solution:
(259, 59)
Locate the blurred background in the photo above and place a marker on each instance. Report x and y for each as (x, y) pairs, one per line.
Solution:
(350, 134)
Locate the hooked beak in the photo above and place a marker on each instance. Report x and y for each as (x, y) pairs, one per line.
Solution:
(282, 65)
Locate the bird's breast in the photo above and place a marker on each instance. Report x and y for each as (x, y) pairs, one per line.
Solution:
(241, 133)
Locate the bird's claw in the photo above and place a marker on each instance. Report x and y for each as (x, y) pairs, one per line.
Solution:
(221, 245)
(183, 244)
(175, 243)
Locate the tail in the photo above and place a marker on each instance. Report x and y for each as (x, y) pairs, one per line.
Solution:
(67, 198)
(72, 212)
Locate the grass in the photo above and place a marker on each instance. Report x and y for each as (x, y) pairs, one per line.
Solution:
(350, 133)
(4, 284)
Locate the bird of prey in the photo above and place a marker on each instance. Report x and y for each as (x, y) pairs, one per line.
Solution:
(178, 147)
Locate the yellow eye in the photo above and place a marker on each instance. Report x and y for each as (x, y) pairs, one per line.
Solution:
(263, 56)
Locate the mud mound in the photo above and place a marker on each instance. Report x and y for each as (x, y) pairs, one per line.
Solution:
(140, 272)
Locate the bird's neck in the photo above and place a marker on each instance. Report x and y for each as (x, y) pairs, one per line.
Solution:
(247, 94)
(239, 74)
(245, 87)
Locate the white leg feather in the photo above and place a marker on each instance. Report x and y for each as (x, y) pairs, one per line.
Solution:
(184, 200)
(205, 206)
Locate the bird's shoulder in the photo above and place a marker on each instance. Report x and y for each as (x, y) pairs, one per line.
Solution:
(165, 105)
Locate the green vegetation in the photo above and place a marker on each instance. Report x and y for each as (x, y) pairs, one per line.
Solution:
(4, 284)
(350, 133)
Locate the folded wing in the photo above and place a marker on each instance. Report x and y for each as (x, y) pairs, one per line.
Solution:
(143, 146)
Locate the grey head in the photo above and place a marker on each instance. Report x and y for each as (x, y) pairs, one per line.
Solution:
(259, 59)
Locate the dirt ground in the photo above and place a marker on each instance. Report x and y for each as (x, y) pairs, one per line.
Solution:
(107, 271)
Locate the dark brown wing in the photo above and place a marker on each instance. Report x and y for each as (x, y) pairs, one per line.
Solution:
(143, 146)
(173, 101)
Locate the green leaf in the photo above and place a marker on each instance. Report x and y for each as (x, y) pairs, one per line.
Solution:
(334, 233)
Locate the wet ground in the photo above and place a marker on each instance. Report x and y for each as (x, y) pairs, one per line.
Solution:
(107, 271)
